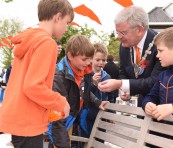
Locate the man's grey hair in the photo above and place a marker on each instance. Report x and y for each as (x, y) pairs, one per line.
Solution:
(134, 15)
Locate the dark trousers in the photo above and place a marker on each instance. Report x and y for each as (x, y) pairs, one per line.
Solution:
(27, 142)
(60, 134)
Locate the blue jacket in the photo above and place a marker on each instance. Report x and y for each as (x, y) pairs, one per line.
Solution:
(8, 74)
(65, 84)
(162, 91)
(103, 96)
(88, 116)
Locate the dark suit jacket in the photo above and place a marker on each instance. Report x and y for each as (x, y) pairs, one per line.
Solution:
(144, 82)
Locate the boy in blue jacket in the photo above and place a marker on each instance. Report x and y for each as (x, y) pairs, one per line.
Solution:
(98, 75)
(70, 76)
(159, 102)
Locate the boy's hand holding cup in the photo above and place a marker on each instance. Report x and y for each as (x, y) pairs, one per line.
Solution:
(97, 77)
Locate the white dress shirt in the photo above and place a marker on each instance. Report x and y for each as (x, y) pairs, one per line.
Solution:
(125, 88)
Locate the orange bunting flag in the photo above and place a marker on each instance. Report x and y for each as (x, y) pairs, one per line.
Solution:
(10, 37)
(6, 42)
(74, 24)
(85, 11)
(1, 44)
(124, 3)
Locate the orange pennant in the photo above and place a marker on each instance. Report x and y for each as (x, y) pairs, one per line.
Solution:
(10, 37)
(85, 11)
(75, 24)
(7, 43)
(124, 3)
(1, 44)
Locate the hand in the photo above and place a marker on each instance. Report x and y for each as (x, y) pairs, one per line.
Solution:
(103, 104)
(109, 85)
(162, 111)
(149, 108)
(66, 110)
(124, 96)
(96, 78)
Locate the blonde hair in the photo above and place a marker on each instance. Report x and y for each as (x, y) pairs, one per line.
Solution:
(48, 8)
(165, 36)
(101, 48)
(80, 45)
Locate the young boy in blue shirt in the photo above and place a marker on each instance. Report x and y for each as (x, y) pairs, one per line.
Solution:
(98, 75)
(158, 103)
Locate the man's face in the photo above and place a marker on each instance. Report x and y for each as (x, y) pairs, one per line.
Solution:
(165, 55)
(129, 36)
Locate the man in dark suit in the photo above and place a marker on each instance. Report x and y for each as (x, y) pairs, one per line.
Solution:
(139, 66)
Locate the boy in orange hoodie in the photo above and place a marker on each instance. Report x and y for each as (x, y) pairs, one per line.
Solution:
(29, 96)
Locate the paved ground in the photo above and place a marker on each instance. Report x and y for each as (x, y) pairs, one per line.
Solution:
(5, 141)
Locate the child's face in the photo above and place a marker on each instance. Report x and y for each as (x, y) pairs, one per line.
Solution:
(60, 25)
(80, 62)
(99, 61)
(165, 55)
(59, 49)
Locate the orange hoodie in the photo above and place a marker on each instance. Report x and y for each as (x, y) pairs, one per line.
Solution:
(29, 96)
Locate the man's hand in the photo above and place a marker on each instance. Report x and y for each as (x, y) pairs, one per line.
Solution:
(103, 104)
(66, 110)
(109, 85)
(162, 111)
(149, 108)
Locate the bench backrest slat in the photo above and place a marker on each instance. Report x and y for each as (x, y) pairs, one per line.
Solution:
(114, 139)
(128, 126)
(117, 128)
(161, 128)
(159, 141)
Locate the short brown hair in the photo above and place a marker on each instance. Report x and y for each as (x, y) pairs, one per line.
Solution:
(110, 58)
(101, 48)
(165, 36)
(48, 8)
(80, 45)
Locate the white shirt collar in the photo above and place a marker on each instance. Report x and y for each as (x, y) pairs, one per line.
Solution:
(140, 45)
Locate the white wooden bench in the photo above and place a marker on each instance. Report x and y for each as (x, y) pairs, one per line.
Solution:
(127, 127)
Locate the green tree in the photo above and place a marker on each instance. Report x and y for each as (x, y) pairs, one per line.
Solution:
(7, 1)
(8, 27)
(113, 46)
(83, 30)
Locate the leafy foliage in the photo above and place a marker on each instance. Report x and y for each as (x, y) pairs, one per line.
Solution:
(89, 32)
(113, 46)
(8, 27)
(7, 1)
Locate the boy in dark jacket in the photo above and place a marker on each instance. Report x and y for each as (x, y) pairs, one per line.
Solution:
(159, 102)
(98, 75)
(68, 80)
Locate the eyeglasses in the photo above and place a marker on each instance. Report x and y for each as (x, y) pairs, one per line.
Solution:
(124, 33)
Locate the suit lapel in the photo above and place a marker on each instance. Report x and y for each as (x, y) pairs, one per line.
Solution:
(148, 40)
